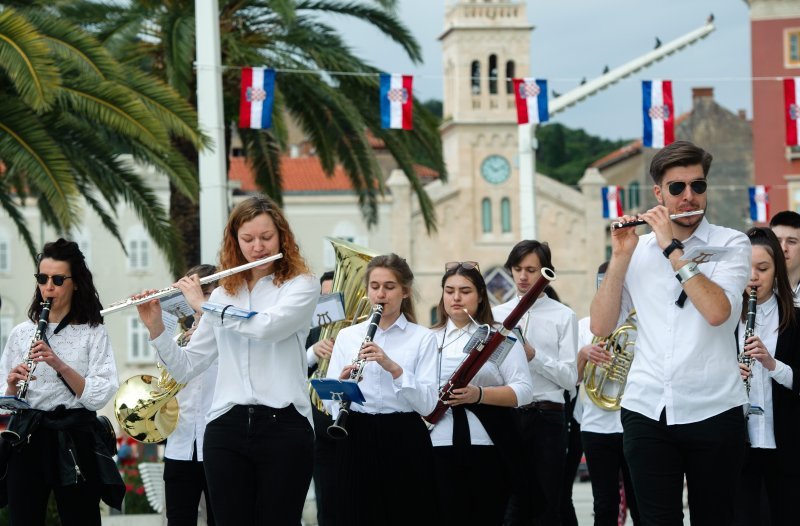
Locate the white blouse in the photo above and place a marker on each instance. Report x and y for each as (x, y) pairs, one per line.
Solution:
(412, 346)
(84, 348)
(262, 360)
(513, 372)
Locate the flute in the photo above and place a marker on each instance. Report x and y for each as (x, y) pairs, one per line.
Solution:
(619, 224)
(169, 291)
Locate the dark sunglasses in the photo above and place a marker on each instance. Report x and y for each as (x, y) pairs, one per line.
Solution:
(58, 279)
(676, 188)
(466, 265)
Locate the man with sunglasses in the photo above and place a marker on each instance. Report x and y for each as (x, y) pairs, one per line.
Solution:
(550, 335)
(682, 410)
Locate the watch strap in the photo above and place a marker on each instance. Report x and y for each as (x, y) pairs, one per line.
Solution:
(671, 247)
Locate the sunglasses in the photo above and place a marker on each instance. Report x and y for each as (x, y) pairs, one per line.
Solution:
(676, 188)
(466, 265)
(58, 279)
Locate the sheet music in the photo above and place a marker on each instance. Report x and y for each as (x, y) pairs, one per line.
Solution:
(330, 309)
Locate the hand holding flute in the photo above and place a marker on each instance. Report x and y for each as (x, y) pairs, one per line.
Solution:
(625, 224)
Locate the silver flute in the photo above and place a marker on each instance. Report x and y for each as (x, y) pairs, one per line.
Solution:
(619, 224)
(169, 291)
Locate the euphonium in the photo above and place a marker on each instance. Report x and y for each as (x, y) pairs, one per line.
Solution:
(348, 278)
(605, 383)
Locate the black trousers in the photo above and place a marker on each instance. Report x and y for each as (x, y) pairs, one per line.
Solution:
(472, 484)
(258, 462)
(709, 453)
(763, 469)
(32, 475)
(324, 468)
(605, 460)
(571, 462)
(544, 442)
(184, 481)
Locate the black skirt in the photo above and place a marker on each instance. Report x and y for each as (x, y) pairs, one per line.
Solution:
(385, 471)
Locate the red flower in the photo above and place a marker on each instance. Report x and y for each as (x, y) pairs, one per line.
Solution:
(140, 490)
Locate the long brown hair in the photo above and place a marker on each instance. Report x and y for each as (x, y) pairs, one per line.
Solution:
(290, 265)
(765, 237)
(484, 312)
(402, 272)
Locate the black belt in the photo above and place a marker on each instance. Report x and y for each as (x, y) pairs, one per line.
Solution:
(543, 406)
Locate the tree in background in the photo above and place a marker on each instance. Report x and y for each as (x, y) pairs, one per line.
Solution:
(69, 113)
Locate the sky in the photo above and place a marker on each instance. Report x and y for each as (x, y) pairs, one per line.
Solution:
(573, 39)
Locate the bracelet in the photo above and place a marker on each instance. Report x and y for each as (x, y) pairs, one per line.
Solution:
(222, 316)
(480, 395)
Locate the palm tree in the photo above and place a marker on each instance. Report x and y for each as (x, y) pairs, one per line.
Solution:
(70, 113)
(334, 111)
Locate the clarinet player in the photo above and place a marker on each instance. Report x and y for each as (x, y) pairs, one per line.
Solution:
(60, 450)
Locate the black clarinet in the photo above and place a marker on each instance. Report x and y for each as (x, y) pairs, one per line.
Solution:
(337, 430)
(749, 330)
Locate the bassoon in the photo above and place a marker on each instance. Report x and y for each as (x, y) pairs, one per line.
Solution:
(482, 350)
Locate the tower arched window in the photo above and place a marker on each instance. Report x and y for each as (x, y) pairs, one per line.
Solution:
(486, 215)
(505, 214)
(475, 77)
(633, 195)
(493, 74)
(510, 72)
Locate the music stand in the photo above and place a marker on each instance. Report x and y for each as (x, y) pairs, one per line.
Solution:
(338, 390)
(12, 403)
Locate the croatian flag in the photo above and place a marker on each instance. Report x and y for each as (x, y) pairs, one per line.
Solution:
(612, 202)
(396, 101)
(531, 97)
(791, 98)
(258, 95)
(659, 113)
(759, 203)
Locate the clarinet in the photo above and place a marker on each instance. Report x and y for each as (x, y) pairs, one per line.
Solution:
(337, 430)
(749, 330)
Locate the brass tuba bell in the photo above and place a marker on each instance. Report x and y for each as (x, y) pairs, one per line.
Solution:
(605, 384)
(146, 408)
(348, 278)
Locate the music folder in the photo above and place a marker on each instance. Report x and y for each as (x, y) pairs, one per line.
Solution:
(12, 403)
(338, 390)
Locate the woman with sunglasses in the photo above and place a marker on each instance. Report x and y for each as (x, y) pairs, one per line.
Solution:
(258, 446)
(60, 449)
(384, 463)
(773, 423)
(475, 440)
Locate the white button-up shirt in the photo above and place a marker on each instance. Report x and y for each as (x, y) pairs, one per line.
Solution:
(683, 364)
(262, 360)
(513, 372)
(412, 347)
(591, 417)
(553, 332)
(761, 427)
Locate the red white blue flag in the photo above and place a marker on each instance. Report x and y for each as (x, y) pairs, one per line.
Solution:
(612, 202)
(397, 101)
(531, 97)
(759, 203)
(257, 98)
(659, 113)
(791, 98)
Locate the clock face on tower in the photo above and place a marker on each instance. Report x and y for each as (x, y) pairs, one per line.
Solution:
(495, 169)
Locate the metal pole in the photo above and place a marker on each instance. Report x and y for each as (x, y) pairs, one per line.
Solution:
(212, 165)
(527, 181)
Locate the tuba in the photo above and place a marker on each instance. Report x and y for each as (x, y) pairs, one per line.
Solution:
(348, 278)
(605, 383)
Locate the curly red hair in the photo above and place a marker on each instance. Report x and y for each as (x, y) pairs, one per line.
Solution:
(290, 265)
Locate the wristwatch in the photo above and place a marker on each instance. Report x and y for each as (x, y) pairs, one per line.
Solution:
(687, 272)
(672, 246)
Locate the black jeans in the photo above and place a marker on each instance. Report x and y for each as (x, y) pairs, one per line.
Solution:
(184, 482)
(606, 461)
(258, 462)
(571, 462)
(324, 468)
(709, 453)
(544, 441)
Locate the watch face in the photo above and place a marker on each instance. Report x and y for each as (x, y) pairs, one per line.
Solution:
(495, 169)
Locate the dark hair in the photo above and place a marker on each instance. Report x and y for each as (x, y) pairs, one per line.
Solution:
(761, 236)
(788, 218)
(404, 276)
(679, 153)
(527, 246)
(290, 265)
(551, 293)
(85, 306)
(202, 271)
(484, 312)
(326, 276)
